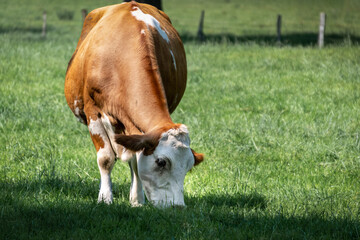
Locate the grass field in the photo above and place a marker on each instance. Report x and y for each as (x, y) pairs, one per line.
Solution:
(279, 127)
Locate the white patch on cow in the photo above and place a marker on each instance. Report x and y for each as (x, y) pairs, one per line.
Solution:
(164, 186)
(142, 31)
(173, 58)
(77, 110)
(96, 128)
(110, 131)
(126, 155)
(149, 20)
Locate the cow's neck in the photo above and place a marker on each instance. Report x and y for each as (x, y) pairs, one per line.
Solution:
(148, 115)
(152, 120)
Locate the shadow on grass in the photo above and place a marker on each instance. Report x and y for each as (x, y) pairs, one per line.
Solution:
(78, 189)
(291, 39)
(247, 201)
(211, 217)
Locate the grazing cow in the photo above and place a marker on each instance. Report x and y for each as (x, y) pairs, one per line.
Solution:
(127, 74)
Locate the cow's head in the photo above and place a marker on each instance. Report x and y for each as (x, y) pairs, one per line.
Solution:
(164, 158)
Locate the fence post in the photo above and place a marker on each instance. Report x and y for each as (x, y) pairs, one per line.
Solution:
(200, 33)
(43, 34)
(278, 29)
(322, 29)
(83, 14)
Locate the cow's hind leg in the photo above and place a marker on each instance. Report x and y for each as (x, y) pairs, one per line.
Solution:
(105, 157)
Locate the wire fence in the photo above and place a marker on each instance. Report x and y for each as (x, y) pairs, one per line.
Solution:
(232, 23)
(276, 29)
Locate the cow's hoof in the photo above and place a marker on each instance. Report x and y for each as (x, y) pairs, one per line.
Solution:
(105, 198)
(137, 204)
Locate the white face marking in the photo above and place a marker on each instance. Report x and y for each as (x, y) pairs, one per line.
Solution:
(164, 185)
(172, 55)
(142, 31)
(149, 20)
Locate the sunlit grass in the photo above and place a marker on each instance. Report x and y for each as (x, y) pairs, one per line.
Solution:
(279, 128)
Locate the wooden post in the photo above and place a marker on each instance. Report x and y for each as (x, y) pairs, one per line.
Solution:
(83, 14)
(322, 29)
(278, 29)
(43, 34)
(200, 33)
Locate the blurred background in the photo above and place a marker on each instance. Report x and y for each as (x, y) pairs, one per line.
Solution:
(224, 20)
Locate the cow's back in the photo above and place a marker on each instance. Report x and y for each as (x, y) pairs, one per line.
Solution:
(123, 54)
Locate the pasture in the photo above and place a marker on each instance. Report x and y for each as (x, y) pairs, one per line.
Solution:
(279, 128)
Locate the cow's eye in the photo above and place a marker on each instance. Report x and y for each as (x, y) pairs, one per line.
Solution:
(160, 162)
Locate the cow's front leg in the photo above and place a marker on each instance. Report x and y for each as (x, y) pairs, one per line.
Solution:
(137, 197)
(105, 157)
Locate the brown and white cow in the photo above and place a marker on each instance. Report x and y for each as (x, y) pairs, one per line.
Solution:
(127, 74)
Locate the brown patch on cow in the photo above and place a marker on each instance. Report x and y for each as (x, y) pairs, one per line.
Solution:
(199, 157)
(98, 141)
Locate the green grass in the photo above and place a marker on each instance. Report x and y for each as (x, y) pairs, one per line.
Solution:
(279, 127)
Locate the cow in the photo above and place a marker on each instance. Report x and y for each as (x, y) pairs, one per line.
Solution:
(127, 75)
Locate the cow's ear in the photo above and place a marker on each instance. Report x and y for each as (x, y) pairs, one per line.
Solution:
(199, 157)
(136, 143)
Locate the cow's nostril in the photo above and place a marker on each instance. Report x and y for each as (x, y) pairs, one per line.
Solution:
(160, 162)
